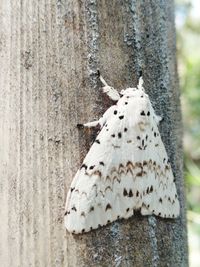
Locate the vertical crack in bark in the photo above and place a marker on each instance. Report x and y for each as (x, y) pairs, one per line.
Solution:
(133, 36)
(93, 40)
(153, 240)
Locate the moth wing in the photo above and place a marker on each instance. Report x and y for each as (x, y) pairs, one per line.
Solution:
(158, 189)
(95, 195)
(90, 192)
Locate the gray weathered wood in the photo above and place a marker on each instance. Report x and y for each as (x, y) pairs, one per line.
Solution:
(49, 53)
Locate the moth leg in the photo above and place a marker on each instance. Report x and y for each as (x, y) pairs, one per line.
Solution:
(92, 123)
(88, 124)
(102, 121)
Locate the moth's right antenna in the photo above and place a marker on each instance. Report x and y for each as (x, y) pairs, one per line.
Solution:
(140, 84)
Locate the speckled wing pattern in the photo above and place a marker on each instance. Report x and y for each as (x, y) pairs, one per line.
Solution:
(126, 169)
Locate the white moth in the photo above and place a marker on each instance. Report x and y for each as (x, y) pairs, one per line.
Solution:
(126, 168)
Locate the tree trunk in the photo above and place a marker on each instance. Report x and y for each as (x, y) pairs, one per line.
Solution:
(50, 51)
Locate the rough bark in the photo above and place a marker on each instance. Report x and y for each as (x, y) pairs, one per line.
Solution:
(49, 53)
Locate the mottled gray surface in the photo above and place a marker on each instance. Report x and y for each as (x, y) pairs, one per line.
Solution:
(49, 53)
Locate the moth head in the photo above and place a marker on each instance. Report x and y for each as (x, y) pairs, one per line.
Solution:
(135, 91)
(128, 92)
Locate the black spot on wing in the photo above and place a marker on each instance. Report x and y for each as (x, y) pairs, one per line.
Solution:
(130, 193)
(108, 206)
(142, 142)
(92, 167)
(125, 193)
(84, 166)
(91, 209)
(121, 117)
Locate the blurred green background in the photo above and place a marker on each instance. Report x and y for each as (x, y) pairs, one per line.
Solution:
(188, 51)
